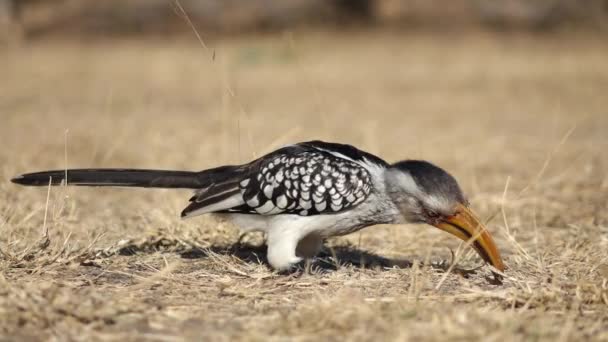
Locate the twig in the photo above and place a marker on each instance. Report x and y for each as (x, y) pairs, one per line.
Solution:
(45, 231)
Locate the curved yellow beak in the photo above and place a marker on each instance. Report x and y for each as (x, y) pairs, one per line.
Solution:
(466, 226)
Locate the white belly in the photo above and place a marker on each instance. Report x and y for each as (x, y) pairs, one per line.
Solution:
(323, 225)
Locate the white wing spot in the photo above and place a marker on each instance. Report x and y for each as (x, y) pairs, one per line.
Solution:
(275, 210)
(320, 206)
(253, 202)
(305, 204)
(266, 208)
(268, 189)
(279, 176)
(317, 198)
(282, 202)
(350, 198)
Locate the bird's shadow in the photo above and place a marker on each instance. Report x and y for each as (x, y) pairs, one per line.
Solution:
(330, 258)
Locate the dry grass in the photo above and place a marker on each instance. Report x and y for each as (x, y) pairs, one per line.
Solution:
(120, 264)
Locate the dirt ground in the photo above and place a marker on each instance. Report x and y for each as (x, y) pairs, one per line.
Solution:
(519, 120)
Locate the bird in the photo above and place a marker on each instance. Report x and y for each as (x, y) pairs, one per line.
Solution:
(303, 193)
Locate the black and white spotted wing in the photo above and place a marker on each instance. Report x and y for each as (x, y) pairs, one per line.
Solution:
(309, 182)
(306, 179)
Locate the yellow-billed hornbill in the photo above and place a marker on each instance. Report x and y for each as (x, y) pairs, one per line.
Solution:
(303, 193)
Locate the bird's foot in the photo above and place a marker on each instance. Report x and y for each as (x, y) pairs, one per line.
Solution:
(295, 270)
(238, 245)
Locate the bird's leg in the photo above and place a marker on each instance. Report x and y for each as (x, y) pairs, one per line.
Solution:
(309, 246)
(238, 246)
(282, 245)
(239, 243)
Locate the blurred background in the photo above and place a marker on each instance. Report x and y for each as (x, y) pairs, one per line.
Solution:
(30, 19)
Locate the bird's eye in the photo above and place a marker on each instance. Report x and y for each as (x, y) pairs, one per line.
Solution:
(432, 214)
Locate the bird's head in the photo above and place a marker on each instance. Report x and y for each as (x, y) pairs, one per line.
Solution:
(425, 193)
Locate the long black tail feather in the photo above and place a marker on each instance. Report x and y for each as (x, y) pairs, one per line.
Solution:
(119, 177)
